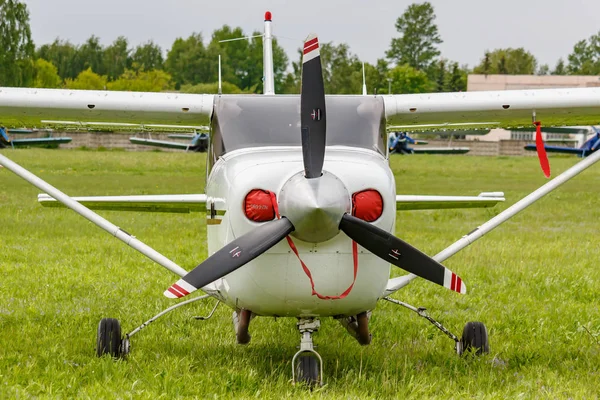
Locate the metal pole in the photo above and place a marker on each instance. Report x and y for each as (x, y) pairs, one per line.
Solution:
(398, 283)
(93, 217)
(517, 207)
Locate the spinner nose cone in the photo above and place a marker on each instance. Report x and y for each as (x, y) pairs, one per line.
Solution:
(314, 206)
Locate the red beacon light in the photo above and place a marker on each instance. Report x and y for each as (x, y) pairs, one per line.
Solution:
(268, 16)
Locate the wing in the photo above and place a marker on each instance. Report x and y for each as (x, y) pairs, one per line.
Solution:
(28, 107)
(174, 203)
(412, 202)
(40, 141)
(494, 109)
(556, 149)
(160, 143)
(441, 150)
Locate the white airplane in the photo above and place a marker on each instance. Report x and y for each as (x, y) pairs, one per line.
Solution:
(300, 200)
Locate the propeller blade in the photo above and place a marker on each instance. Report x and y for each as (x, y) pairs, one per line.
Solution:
(312, 109)
(389, 248)
(232, 256)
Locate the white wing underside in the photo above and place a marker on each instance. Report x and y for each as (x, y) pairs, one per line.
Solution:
(186, 203)
(511, 108)
(28, 107)
(173, 203)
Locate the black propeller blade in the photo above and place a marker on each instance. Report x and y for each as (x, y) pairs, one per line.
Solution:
(232, 256)
(312, 109)
(388, 247)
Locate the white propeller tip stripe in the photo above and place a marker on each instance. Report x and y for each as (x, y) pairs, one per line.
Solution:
(170, 295)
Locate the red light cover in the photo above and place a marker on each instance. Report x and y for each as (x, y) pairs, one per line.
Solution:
(367, 205)
(258, 206)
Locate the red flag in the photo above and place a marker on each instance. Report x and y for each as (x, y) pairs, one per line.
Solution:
(541, 151)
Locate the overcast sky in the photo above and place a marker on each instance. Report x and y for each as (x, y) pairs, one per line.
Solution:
(547, 28)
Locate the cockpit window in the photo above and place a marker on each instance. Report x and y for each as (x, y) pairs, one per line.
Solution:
(254, 121)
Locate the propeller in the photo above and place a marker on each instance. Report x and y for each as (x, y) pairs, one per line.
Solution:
(232, 256)
(312, 109)
(249, 246)
(396, 251)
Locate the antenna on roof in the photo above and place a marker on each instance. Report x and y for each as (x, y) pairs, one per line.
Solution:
(268, 75)
(364, 81)
(220, 90)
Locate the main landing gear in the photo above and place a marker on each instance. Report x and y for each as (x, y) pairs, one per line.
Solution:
(473, 340)
(110, 341)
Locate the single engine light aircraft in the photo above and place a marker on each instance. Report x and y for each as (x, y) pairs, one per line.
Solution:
(300, 200)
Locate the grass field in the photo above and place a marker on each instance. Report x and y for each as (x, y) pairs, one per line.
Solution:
(534, 281)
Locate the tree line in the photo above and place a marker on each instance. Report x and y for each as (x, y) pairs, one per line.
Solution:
(412, 64)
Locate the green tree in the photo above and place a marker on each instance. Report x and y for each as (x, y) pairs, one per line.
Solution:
(585, 57)
(417, 45)
(457, 80)
(16, 46)
(187, 62)
(377, 77)
(406, 79)
(560, 68)
(543, 69)
(142, 81)
(147, 57)
(235, 62)
(116, 58)
(87, 79)
(90, 55)
(226, 87)
(64, 56)
(342, 70)
(507, 61)
(255, 70)
(46, 75)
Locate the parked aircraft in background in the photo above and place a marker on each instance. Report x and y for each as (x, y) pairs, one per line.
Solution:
(398, 144)
(198, 142)
(591, 144)
(6, 141)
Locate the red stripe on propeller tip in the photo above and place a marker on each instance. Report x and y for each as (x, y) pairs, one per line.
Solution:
(175, 292)
(541, 150)
(180, 289)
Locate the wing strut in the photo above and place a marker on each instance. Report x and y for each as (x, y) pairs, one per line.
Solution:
(398, 283)
(93, 217)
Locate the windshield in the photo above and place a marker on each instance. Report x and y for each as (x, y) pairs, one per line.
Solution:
(253, 121)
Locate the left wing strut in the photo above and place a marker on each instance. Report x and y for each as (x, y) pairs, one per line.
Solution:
(93, 217)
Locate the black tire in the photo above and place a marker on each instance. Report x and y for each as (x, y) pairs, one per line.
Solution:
(475, 339)
(109, 338)
(307, 371)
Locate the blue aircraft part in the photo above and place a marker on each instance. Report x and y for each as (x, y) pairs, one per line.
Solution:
(398, 143)
(590, 146)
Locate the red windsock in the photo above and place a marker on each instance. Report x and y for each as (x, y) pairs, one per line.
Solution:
(541, 151)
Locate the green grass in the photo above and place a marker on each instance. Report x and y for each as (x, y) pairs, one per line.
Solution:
(534, 281)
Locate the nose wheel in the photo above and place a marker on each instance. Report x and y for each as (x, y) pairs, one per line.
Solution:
(307, 364)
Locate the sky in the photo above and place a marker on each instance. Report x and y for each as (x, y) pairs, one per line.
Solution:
(547, 28)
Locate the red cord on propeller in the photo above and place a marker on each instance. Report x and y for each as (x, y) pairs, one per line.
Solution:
(541, 150)
(305, 268)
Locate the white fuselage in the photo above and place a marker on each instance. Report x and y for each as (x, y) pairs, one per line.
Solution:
(275, 284)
